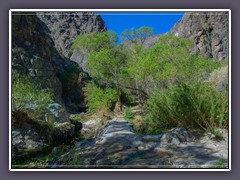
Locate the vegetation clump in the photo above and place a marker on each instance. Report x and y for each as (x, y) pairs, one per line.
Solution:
(27, 96)
(165, 79)
(100, 100)
(190, 105)
(128, 114)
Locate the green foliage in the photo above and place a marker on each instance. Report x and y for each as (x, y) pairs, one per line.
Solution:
(106, 64)
(220, 164)
(143, 33)
(174, 41)
(93, 42)
(190, 104)
(128, 114)
(98, 99)
(75, 117)
(165, 64)
(27, 95)
(162, 62)
(48, 156)
(165, 77)
(136, 35)
(105, 60)
(126, 97)
(76, 161)
(217, 133)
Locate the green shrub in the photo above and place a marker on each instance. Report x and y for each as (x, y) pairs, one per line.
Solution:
(191, 104)
(75, 117)
(220, 164)
(100, 100)
(218, 134)
(95, 41)
(126, 97)
(166, 63)
(30, 104)
(128, 114)
(27, 95)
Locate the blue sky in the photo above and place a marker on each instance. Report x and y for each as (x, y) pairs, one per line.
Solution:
(161, 22)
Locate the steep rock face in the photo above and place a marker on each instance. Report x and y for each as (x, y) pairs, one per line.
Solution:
(33, 54)
(209, 30)
(65, 26)
(32, 51)
(41, 49)
(37, 52)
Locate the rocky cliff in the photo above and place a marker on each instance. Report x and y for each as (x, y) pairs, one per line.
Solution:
(33, 51)
(209, 30)
(40, 49)
(63, 28)
(66, 26)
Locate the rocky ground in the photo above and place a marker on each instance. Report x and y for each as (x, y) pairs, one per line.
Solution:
(115, 145)
(119, 147)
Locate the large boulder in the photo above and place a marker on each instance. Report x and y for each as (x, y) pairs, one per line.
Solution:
(92, 125)
(63, 133)
(172, 137)
(26, 143)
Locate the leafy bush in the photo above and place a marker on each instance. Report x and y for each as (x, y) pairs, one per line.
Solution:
(27, 95)
(75, 117)
(100, 100)
(127, 98)
(191, 104)
(218, 134)
(93, 42)
(30, 104)
(220, 164)
(165, 64)
(136, 35)
(128, 114)
(174, 41)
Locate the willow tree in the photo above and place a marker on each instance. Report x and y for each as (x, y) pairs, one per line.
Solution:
(106, 60)
(136, 35)
(108, 65)
(94, 42)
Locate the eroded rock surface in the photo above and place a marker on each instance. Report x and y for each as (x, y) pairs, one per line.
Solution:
(66, 26)
(117, 146)
(209, 30)
(26, 143)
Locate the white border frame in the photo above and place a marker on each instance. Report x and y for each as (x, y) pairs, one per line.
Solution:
(120, 10)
